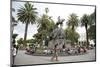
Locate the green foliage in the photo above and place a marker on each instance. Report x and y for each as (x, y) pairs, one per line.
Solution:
(93, 18)
(31, 41)
(27, 13)
(45, 26)
(20, 41)
(92, 32)
(71, 35)
(70, 32)
(46, 23)
(92, 28)
(73, 21)
(14, 36)
(85, 20)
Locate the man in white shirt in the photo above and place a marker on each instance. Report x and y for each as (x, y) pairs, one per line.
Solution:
(14, 52)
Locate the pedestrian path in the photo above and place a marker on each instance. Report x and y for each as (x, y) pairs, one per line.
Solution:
(24, 59)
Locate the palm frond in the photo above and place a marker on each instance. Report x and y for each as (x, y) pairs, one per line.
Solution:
(27, 13)
(85, 20)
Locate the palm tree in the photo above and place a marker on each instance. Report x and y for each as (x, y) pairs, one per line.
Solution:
(27, 15)
(73, 21)
(72, 35)
(85, 20)
(93, 18)
(92, 27)
(45, 26)
(14, 22)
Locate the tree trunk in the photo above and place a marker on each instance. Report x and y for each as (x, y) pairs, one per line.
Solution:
(25, 34)
(73, 28)
(87, 41)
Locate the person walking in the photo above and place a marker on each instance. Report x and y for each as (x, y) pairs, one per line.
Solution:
(14, 52)
(55, 53)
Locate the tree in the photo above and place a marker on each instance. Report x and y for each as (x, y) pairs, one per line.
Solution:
(71, 36)
(14, 22)
(37, 38)
(14, 38)
(92, 33)
(46, 22)
(85, 21)
(27, 15)
(73, 21)
(45, 26)
(93, 18)
(20, 42)
(92, 28)
(70, 32)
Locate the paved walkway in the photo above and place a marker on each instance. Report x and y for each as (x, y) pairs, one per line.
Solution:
(24, 59)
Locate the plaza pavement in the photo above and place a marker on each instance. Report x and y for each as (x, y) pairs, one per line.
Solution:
(24, 59)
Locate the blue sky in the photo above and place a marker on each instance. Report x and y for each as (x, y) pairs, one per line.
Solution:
(55, 10)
